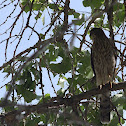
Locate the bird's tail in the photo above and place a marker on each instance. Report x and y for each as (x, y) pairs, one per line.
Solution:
(105, 108)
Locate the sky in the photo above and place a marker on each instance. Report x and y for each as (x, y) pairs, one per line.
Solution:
(25, 43)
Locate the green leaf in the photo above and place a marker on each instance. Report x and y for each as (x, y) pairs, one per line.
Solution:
(119, 17)
(118, 14)
(38, 15)
(94, 115)
(8, 87)
(60, 92)
(76, 15)
(36, 74)
(85, 67)
(7, 69)
(22, 1)
(28, 95)
(119, 78)
(42, 1)
(32, 120)
(78, 22)
(27, 9)
(9, 108)
(115, 119)
(62, 67)
(119, 100)
(53, 6)
(72, 81)
(118, 6)
(43, 20)
(93, 3)
(37, 6)
(42, 36)
(46, 98)
(61, 82)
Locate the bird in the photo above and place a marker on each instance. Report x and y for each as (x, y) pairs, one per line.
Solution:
(103, 62)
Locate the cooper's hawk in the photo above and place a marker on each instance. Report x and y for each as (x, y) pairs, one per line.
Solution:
(103, 60)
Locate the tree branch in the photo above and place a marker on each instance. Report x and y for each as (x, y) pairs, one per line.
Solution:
(58, 102)
(96, 91)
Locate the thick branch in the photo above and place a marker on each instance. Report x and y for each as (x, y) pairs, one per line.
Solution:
(96, 91)
(57, 102)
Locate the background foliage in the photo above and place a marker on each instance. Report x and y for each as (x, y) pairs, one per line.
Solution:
(59, 53)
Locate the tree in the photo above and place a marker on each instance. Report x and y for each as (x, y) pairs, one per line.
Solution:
(54, 26)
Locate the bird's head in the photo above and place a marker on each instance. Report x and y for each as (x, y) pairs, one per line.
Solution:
(96, 33)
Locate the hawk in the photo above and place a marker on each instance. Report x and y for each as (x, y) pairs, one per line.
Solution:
(103, 60)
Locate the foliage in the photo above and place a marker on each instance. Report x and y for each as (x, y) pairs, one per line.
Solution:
(54, 55)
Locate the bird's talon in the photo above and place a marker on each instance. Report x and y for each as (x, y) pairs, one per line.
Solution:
(110, 84)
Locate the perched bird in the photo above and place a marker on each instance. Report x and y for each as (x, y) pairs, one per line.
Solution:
(103, 61)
